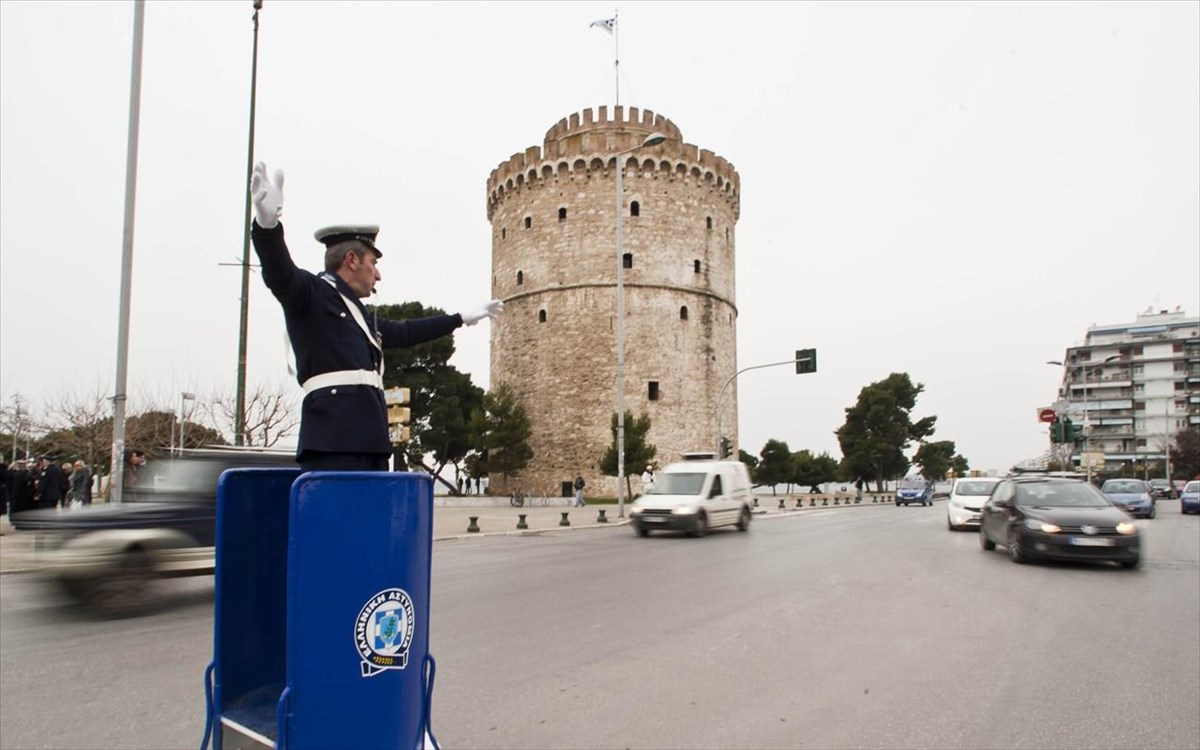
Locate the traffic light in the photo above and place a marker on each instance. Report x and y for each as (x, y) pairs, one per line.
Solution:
(1073, 432)
(726, 447)
(1057, 433)
(806, 361)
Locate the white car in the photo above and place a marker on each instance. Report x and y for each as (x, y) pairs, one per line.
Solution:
(694, 496)
(967, 496)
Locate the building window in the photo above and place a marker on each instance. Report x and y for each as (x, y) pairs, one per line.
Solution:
(562, 214)
(695, 266)
(541, 316)
(653, 394)
(627, 260)
(503, 232)
(683, 313)
(520, 278)
(1141, 442)
(708, 221)
(1177, 348)
(1181, 367)
(1139, 406)
(529, 222)
(635, 209)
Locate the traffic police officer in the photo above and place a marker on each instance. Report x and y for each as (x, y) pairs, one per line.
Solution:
(338, 344)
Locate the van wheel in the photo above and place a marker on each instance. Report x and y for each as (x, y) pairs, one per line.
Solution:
(743, 523)
(126, 589)
(641, 530)
(700, 525)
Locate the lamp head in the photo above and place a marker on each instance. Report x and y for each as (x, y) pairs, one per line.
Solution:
(653, 139)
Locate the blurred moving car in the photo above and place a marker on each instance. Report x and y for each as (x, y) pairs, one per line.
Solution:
(1131, 495)
(1064, 519)
(108, 556)
(965, 504)
(694, 496)
(1162, 488)
(914, 491)
(1189, 499)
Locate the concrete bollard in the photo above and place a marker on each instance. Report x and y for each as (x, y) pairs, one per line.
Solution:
(521, 522)
(565, 521)
(473, 526)
(812, 501)
(825, 501)
(835, 501)
(799, 502)
(602, 518)
(781, 503)
(756, 502)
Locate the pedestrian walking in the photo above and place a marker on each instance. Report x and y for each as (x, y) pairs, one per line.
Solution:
(648, 480)
(339, 356)
(579, 484)
(23, 495)
(858, 486)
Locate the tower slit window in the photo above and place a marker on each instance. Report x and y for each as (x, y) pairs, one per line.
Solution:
(529, 222)
(541, 316)
(562, 214)
(683, 313)
(520, 278)
(696, 266)
(708, 220)
(627, 260)
(635, 209)
(652, 393)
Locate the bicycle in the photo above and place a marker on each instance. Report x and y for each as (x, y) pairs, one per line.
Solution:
(517, 499)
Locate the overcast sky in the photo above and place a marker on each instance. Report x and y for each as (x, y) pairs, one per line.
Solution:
(952, 190)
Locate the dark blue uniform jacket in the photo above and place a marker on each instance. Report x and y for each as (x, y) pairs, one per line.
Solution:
(326, 338)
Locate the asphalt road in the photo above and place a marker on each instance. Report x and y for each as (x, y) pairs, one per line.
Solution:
(863, 627)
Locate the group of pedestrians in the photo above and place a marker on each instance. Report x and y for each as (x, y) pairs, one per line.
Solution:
(29, 485)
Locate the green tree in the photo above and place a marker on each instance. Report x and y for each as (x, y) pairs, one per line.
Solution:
(1185, 454)
(750, 461)
(500, 430)
(936, 459)
(775, 466)
(960, 466)
(879, 428)
(442, 399)
(639, 452)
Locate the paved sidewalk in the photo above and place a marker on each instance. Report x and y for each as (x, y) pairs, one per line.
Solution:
(452, 522)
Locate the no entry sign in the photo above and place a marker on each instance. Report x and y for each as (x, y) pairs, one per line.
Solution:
(1046, 415)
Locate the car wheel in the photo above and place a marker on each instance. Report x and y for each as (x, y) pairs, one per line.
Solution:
(124, 590)
(1015, 553)
(641, 530)
(984, 541)
(897, 503)
(700, 525)
(1132, 564)
(1153, 511)
(743, 523)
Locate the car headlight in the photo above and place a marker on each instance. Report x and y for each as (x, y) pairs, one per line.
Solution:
(1038, 525)
(1127, 528)
(635, 510)
(684, 510)
(1146, 498)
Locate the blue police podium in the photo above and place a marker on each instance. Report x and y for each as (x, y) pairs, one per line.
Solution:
(321, 636)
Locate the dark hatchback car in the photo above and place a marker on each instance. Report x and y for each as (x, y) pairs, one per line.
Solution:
(1061, 519)
(108, 556)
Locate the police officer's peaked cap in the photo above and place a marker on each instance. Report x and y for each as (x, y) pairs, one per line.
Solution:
(364, 233)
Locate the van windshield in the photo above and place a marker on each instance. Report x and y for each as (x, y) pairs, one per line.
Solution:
(678, 484)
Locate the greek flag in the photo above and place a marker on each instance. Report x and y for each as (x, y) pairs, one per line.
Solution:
(608, 24)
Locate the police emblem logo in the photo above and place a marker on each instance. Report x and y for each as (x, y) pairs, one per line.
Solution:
(383, 631)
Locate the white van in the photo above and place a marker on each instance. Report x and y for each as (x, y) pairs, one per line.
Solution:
(695, 496)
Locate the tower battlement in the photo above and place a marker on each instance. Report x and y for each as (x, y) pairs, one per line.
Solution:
(585, 142)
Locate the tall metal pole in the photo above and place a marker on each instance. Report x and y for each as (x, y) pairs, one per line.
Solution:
(117, 475)
(620, 340)
(239, 418)
(16, 426)
(1087, 426)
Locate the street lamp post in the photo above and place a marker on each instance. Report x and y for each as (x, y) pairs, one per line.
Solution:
(183, 399)
(1087, 424)
(651, 140)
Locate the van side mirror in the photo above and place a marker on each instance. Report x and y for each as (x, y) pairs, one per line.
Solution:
(1002, 503)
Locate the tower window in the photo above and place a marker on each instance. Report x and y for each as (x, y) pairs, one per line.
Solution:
(562, 214)
(627, 260)
(503, 233)
(708, 220)
(520, 278)
(528, 222)
(635, 209)
(653, 393)
(541, 316)
(683, 313)
(696, 266)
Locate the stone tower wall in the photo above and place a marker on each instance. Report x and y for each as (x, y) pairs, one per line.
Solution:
(556, 342)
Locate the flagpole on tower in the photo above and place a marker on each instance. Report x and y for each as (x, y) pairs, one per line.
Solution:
(616, 60)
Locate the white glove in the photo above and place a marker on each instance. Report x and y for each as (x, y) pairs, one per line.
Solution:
(486, 310)
(267, 195)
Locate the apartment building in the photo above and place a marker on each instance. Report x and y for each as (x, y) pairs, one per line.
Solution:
(1134, 386)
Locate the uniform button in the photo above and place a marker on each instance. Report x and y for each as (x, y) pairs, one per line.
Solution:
(333, 392)
(343, 315)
